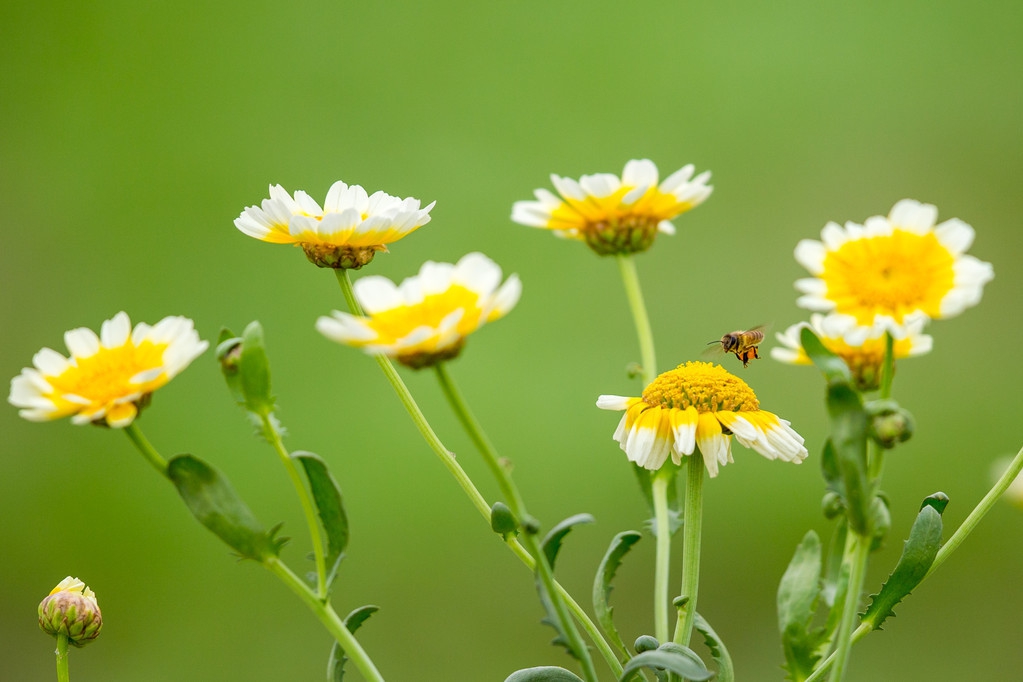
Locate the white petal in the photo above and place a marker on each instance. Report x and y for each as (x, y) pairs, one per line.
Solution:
(955, 235)
(810, 254)
(82, 342)
(115, 331)
(639, 172)
(613, 402)
(377, 294)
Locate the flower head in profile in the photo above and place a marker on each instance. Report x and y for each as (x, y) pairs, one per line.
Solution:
(862, 348)
(702, 405)
(615, 215)
(71, 609)
(345, 233)
(426, 318)
(893, 269)
(108, 377)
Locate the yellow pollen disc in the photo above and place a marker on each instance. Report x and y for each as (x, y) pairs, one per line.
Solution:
(602, 212)
(397, 323)
(705, 386)
(892, 275)
(106, 376)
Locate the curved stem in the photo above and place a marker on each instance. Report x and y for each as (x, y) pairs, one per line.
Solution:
(691, 531)
(146, 448)
(662, 564)
(273, 436)
(826, 664)
(630, 278)
(857, 571)
(62, 667)
(326, 614)
(477, 499)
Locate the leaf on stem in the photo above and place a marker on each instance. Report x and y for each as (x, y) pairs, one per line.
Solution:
(797, 602)
(562, 638)
(213, 502)
(545, 673)
(917, 556)
(330, 507)
(336, 661)
(620, 546)
(254, 370)
(552, 541)
(726, 671)
(670, 657)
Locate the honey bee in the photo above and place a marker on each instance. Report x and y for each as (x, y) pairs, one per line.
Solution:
(741, 343)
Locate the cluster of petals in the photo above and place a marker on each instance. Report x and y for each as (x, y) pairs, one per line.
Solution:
(894, 269)
(655, 427)
(349, 217)
(76, 586)
(106, 375)
(427, 317)
(605, 199)
(843, 336)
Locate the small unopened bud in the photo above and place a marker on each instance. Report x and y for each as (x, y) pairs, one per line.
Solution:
(645, 643)
(889, 423)
(832, 505)
(71, 609)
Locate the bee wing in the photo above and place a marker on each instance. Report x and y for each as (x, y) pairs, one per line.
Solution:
(713, 351)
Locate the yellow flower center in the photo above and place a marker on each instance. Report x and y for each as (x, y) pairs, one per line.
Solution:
(396, 323)
(705, 386)
(106, 375)
(892, 275)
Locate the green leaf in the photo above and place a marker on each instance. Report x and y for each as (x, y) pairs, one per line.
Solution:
(834, 368)
(561, 637)
(917, 556)
(726, 671)
(502, 521)
(880, 521)
(552, 541)
(330, 506)
(849, 439)
(546, 673)
(797, 602)
(213, 502)
(671, 657)
(833, 566)
(254, 371)
(620, 546)
(337, 660)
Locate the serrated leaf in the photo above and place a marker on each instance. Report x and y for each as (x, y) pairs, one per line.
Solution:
(550, 618)
(917, 556)
(675, 523)
(797, 602)
(502, 521)
(336, 661)
(545, 673)
(726, 671)
(213, 502)
(330, 507)
(671, 657)
(620, 546)
(552, 541)
(254, 371)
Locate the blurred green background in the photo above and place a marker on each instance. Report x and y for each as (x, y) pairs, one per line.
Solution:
(134, 133)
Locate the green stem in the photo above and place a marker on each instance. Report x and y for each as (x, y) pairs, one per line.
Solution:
(273, 436)
(62, 669)
(477, 499)
(825, 665)
(630, 278)
(662, 565)
(888, 367)
(518, 508)
(857, 571)
(978, 512)
(147, 450)
(692, 525)
(326, 614)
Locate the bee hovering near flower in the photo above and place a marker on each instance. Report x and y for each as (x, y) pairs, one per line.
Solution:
(741, 343)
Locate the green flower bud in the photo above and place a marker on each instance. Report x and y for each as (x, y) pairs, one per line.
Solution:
(71, 609)
(645, 643)
(889, 423)
(832, 505)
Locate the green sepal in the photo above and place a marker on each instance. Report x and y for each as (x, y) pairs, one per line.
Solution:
(670, 657)
(620, 546)
(254, 371)
(502, 521)
(213, 502)
(552, 541)
(798, 593)
(544, 673)
(726, 671)
(330, 507)
(336, 661)
(917, 556)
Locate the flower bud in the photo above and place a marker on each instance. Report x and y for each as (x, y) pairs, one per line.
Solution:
(71, 609)
(889, 423)
(646, 643)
